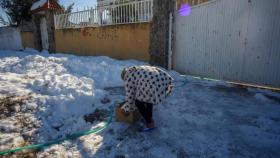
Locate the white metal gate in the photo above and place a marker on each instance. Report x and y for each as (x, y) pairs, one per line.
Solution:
(235, 40)
(44, 34)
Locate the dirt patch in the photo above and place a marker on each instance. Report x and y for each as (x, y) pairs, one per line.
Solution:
(97, 115)
(11, 104)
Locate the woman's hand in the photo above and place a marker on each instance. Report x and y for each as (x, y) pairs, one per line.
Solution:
(169, 90)
(125, 113)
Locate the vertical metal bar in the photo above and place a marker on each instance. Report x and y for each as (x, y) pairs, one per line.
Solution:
(95, 16)
(64, 22)
(121, 8)
(55, 21)
(141, 11)
(80, 19)
(117, 14)
(57, 24)
(83, 18)
(145, 10)
(87, 18)
(75, 19)
(127, 13)
(68, 22)
(152, 11)
(90, 18)
(148, 10)
(111, 16)
(112, 19)
(102, 17)
(72, 20)
(137, 11)
(130, 12)
(60, 21)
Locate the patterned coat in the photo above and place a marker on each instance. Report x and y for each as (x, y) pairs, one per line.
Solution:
(145, 83)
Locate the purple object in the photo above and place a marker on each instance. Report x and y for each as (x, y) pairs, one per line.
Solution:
(185, 10)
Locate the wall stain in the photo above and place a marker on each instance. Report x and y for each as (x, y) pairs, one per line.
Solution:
(101, 34)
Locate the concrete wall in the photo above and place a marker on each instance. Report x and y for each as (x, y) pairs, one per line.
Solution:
(10, 38)
(27, 39)
(129, 41)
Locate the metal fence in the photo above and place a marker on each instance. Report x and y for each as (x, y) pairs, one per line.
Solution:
(233, 40)
(133, 12)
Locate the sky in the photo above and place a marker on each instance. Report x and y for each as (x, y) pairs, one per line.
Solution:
(79, 4)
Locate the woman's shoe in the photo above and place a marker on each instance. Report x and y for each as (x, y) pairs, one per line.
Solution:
(145, 129)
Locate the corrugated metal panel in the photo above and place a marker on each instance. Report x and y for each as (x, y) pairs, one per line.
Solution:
(236, 40)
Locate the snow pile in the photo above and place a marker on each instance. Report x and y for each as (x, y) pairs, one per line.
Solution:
(65, 88)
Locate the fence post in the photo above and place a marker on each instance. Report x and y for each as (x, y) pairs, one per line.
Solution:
(159, 32)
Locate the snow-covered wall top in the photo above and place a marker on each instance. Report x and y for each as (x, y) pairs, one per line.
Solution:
(10, 38)
(38, 4)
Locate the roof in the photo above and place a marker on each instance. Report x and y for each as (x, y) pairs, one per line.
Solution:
(42, 5)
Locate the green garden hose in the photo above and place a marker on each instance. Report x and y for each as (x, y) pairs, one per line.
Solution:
(69, 137)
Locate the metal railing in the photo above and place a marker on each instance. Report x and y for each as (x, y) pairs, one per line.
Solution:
(132, 12)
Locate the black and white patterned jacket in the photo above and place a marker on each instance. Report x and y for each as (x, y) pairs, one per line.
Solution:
(145, 83)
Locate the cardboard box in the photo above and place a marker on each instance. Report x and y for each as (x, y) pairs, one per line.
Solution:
(131, 118)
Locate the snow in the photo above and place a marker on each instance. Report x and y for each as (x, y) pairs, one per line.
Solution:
(49, 95)
(38, 4)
